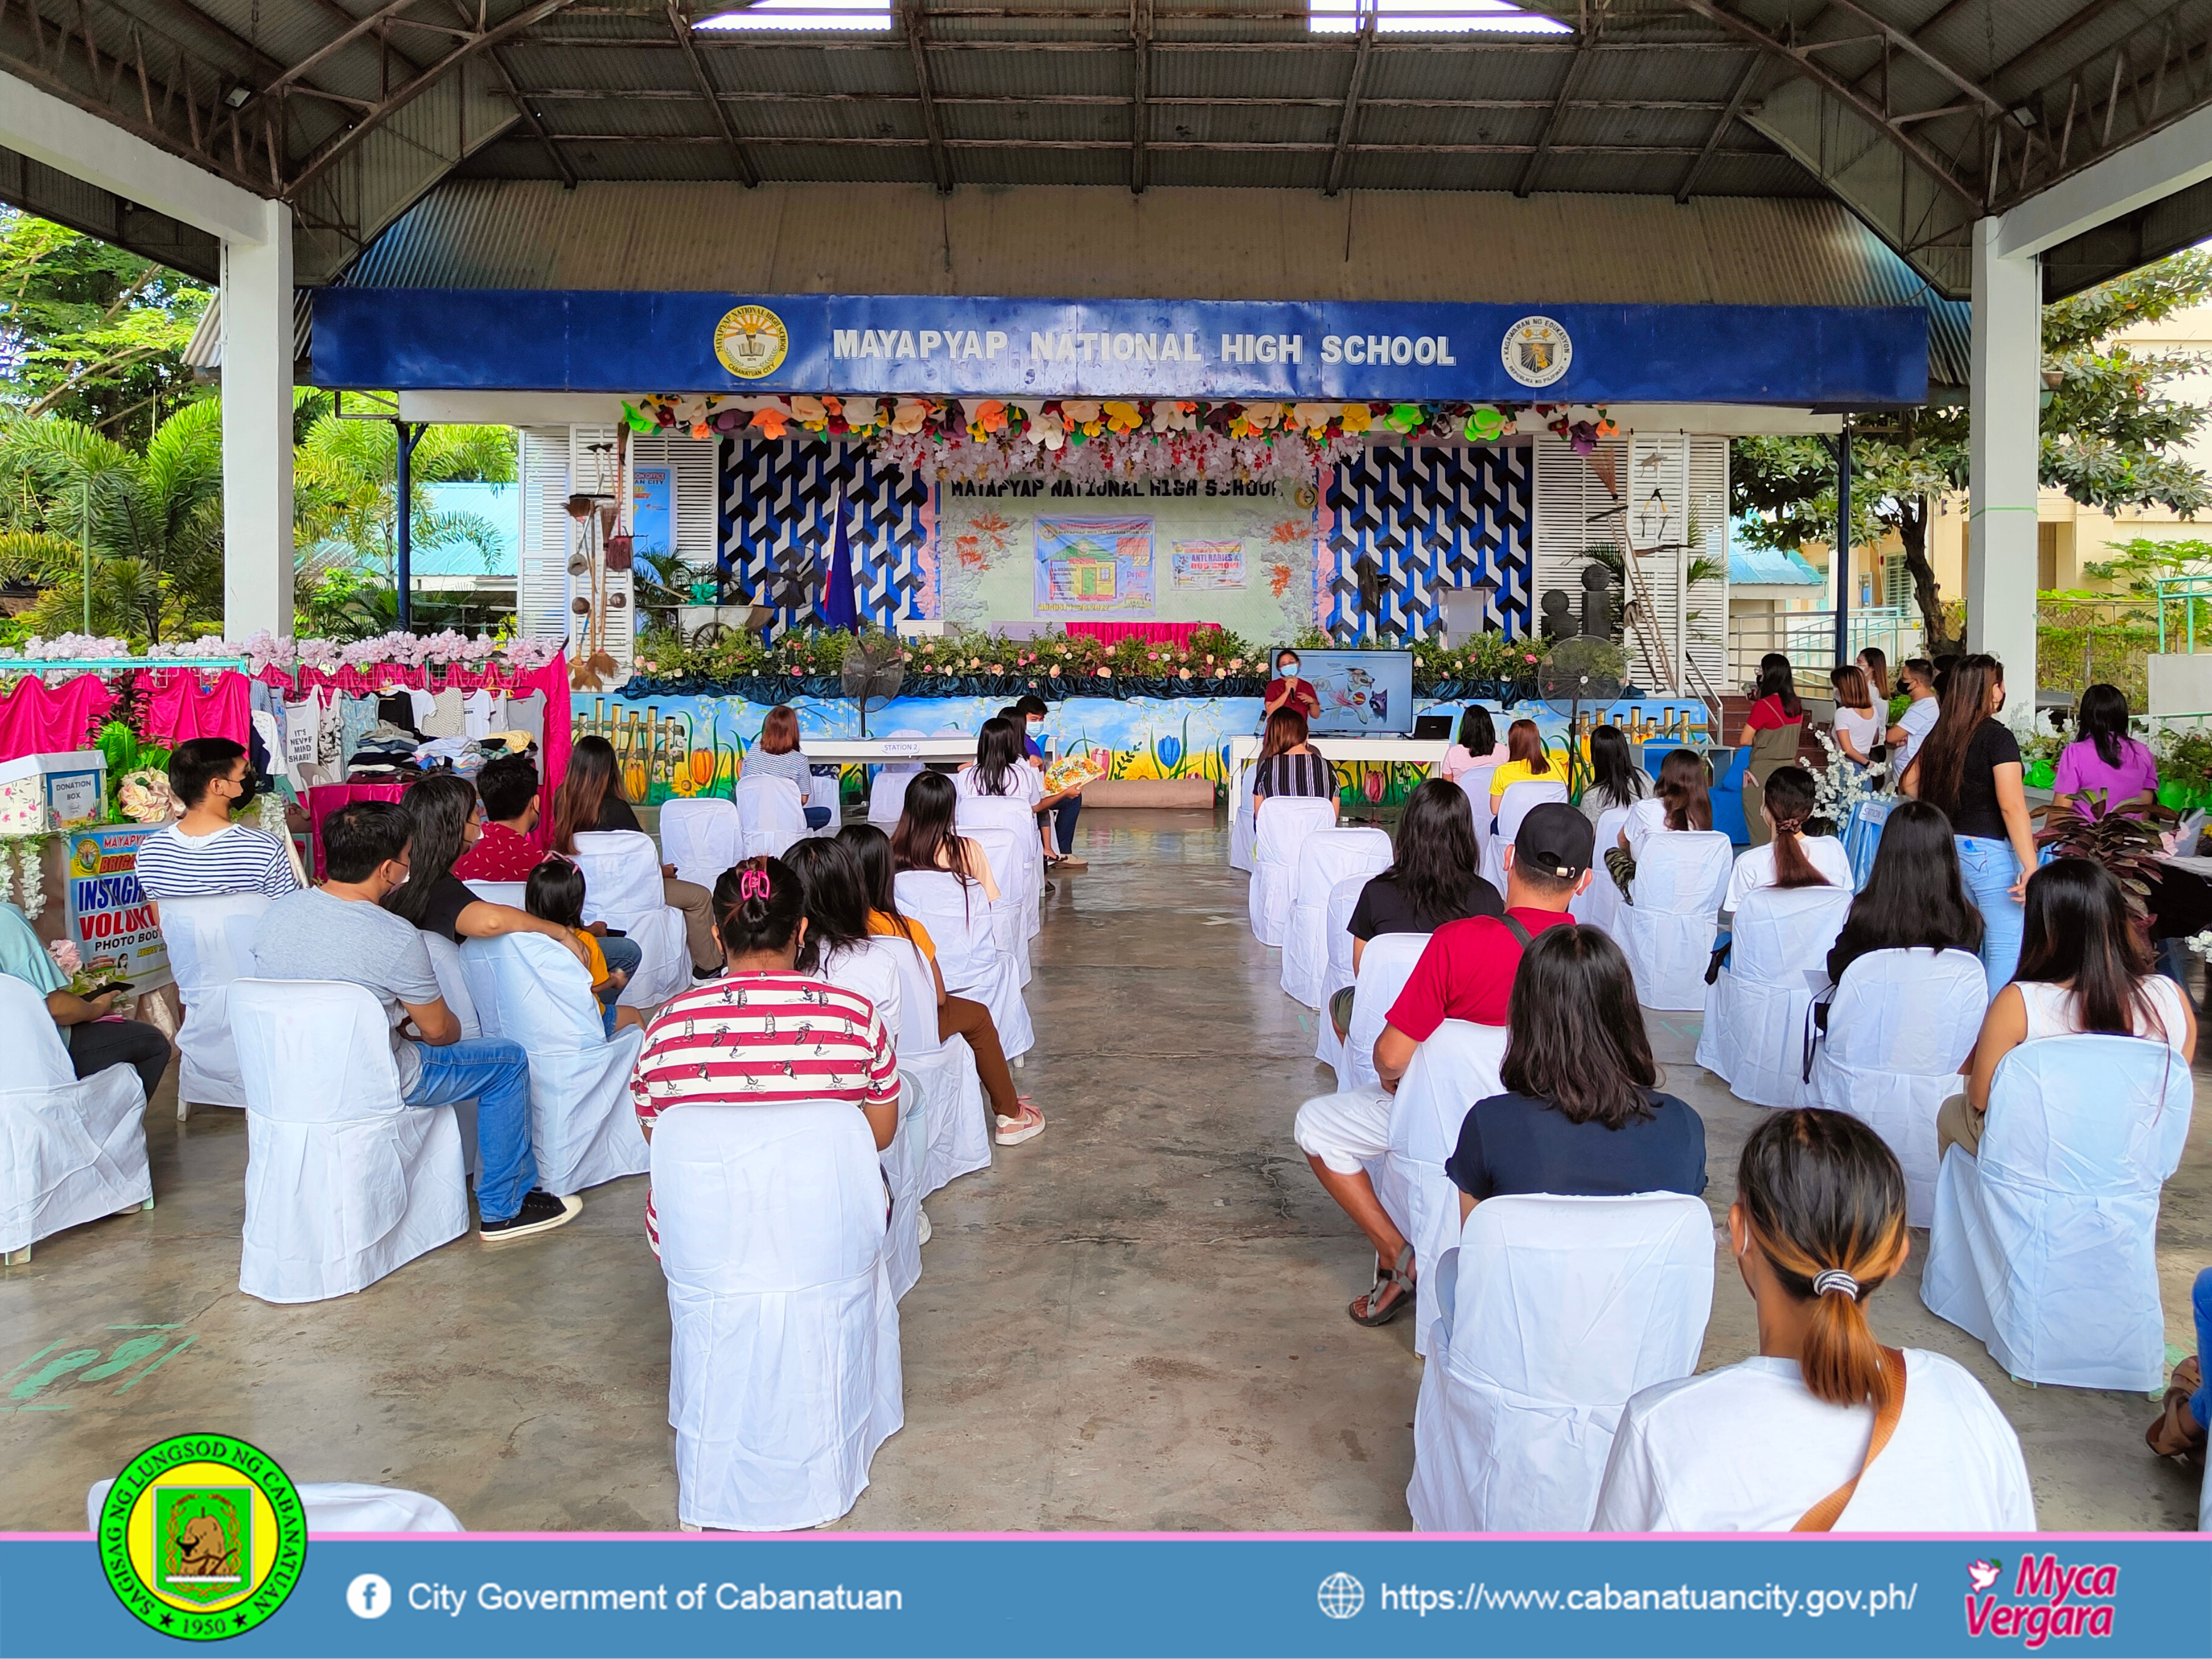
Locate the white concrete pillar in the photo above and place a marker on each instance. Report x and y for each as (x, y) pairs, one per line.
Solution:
(2006, 387)
(256, 429)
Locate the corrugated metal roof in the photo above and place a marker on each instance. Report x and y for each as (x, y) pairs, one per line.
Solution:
(203, 353)
(1769, 567)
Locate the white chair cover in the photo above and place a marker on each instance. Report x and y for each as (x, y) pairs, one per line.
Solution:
(509, 893)
(870, 969)
(701, 837)
(210, 944)
(1019, 823)
(1756, 1028)
(344, 1181)
(1385, 967)
(622, 888)
(1241, 829)
(1902, 1023)
(784, 1357)
(1324, 859)
(1475, 785)
(1597, 904)
(1455, 1067)
(2044, 1245)
(773, 812)
(336, 1506)
(1667, 931)
(1283, 827)
(1343, 900)
(1560, 1310)
(955, 1134)
(1013, 913)
(583, 1127)
(453, 986)
(70, 1151)
(887, 795)
(1516, 804)
(958, 919)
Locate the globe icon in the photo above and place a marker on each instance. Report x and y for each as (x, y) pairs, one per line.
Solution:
(1342, 1595)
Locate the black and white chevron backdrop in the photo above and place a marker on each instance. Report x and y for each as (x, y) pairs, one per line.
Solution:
(1427, 519)
(779, 517)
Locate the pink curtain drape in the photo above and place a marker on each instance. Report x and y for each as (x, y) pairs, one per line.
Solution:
(37, 719)
(1158, 633)
(179, 708)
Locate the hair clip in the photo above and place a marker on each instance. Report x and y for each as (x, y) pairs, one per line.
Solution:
(754, 884)
(1835, 1278)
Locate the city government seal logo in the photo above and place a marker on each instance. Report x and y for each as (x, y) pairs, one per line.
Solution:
(751, 341)
(1536, 351)
(202, 1536)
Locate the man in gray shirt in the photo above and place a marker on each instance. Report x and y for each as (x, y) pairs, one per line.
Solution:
(341, 931)
(1917, 676)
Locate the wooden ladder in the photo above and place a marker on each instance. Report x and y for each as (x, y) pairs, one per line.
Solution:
(1648, 640)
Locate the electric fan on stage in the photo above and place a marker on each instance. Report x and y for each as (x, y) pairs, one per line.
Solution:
(872, 673)
(1581, 673)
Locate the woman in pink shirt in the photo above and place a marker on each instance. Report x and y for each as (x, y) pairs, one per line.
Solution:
(2105, 762)
(1478, 745)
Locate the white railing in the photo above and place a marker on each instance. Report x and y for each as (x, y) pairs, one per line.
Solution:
(1808, 638)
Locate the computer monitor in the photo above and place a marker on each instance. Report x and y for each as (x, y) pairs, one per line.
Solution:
(1363, 694)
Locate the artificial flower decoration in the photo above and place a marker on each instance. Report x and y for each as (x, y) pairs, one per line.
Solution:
(702, 431)
(1121, 415)
(1486, 424)
(1049, 432)
(1314, 417)
(1079, 413)
(1403, 418)
(810, 412)
(910, 416)
(772, 419)
(1356, 417)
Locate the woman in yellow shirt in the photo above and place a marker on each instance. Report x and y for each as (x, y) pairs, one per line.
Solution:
(1524, 747)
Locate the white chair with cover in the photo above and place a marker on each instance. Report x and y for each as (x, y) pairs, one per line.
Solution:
(772, 811)
(1475, 785)
(1456, 1066)
(1902, 1023)
(2044, 1245)
(509, 893)
(887, 795)
(1241, 829)
(871, 969)
(955, 1133)
(211, 943)
(784, 1354)
(1667, 929)
(583, 1126)
(1284, 826)
(344, 1181)
(1516, 804)
(453, 986)
(1325, 859)
(876, 969)
(958, 919)
(701, 837)
(1015, 818)
(1756, 1026)
(336, 1506)
(1343, 900)
(1558, 1310)
(1597, 904)
(1385, 967)
(622, 888)
(76, 1150)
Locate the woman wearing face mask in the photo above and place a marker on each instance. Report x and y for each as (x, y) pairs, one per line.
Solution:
(1287, 690)
(443, 820)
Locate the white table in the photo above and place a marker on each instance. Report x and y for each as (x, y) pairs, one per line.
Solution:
(1396, 752)
(884, 751)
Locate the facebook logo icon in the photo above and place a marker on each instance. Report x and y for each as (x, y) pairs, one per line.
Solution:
(369, 1596)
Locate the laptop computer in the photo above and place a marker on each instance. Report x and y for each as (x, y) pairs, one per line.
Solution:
(1429, 726)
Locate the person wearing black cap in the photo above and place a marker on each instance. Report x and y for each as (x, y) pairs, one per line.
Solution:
(1466, 972)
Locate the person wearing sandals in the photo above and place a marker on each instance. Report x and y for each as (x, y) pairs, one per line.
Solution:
(2181, 1430)
(1466, 972)
(1825, 1429)
(1582, 1115)
(925, 840)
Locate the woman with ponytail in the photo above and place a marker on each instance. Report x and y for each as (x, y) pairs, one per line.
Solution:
(1789, 857)
(763, 1033)
(1826, 1429)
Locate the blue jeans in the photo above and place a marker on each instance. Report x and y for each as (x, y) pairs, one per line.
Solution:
(2200, 1403)
(496, 1074)
(1989, 870)
(623, 956)
(1063, 818)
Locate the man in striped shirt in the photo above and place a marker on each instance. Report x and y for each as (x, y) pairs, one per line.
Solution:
(204, 854)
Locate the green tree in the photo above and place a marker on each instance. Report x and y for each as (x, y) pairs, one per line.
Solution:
(90, 331)
(2110, 434)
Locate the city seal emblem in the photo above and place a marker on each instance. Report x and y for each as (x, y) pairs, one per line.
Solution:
(1536, 351)
(751, 341)
(202, 1537)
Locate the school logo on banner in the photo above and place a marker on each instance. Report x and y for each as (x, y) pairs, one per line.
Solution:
(1537, 351)
(202, 1537)
(751, 341)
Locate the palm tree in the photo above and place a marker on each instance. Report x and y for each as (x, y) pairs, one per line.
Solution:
(346, 487)
(153, 521)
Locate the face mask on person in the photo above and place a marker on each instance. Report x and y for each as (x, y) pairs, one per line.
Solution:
(249, 784)
(1288, 668)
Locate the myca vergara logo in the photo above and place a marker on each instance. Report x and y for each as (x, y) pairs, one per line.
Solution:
(751, 341)
(2047, 1600)
(202, 1536)
(1536, 351)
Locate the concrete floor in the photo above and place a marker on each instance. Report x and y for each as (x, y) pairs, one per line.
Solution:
(1135, 1321)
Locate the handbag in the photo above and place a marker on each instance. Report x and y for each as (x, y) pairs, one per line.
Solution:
(1824, 1514)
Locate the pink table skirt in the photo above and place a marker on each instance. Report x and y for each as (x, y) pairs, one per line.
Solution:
(325, 798)
(1157, 633)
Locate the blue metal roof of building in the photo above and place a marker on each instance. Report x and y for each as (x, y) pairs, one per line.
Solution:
(1769, 567)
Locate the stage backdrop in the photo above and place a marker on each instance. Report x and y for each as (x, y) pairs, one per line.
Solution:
(695, 745)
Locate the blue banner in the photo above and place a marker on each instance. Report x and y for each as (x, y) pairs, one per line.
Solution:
(407, 339)
(831, 1593)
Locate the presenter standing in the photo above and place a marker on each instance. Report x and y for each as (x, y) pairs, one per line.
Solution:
(1287, 690)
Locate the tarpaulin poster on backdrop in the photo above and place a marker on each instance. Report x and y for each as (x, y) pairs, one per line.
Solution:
(110, 919)
(1206, 564)
(1094, 566)
(652, 511)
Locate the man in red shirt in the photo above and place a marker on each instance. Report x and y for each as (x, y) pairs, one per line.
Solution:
(508, 789)
(1466, 972)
